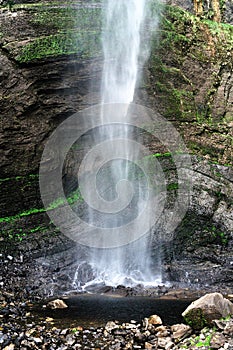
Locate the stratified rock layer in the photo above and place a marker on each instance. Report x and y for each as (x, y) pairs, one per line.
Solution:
(188, 80)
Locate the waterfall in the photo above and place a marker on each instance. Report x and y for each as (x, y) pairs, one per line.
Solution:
(121, 46)
(119, 180)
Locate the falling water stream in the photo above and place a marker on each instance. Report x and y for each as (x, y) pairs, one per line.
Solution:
(129, 264)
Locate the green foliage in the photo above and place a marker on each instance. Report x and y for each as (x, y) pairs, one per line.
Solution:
(199, 343)
(85, 45)
(9, 4)
(227, 318)
(221, 32)
(60, 31)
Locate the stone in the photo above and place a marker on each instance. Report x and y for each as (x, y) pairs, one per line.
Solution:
(180, 331)
(162, 342)
(228, 330)
(57, 304)
(217, 341)
(145, 323)
(37, 340)
(220, 324)
(110, 326)
(162, 334)
(155, 320)
(169, 345)
(148, 345)
(204, 310)
(161, 329)
(9, 347)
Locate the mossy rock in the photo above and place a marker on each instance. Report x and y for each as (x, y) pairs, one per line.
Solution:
(197, 319)
(204, 310)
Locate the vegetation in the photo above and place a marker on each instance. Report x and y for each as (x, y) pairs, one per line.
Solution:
(85, 45)
(200, 343)
(17, 178)
(73, 198)
(203, 40)
(196, 319)
(57, 31)
(186, 39)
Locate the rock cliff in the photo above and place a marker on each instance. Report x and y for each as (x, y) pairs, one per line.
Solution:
(48, 62)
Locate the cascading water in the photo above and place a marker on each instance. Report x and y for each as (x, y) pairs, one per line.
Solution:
(121, 46)
(128, 264)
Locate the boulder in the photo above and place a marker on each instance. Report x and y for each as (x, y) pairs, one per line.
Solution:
(204, 310)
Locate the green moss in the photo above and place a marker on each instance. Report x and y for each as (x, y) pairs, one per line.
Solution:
(219, 236)
(18, 234)
(83, 18)
(59, 31)
(202, 149)
(22, 214)
(158, 155)
(185, 35)
(83, 44)
(172, 186)
(196, 319)
(17, 178)
(73, 198)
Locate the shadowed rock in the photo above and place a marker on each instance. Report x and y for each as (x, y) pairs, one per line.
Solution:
(203, 311)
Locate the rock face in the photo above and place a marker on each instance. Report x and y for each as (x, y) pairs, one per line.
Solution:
(210, 307)
(189, 81)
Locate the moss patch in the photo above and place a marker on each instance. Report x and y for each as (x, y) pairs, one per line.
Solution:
(188, 72)
(85, 45)
(73, 198)
(196, 319)
(182, 35)
(52, 30)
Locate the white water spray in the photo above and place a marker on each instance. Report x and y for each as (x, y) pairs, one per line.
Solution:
(131, 264)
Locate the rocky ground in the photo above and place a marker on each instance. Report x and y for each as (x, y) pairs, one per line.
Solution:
(22, 328)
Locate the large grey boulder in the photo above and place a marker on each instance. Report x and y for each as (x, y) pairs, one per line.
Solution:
(204, 310)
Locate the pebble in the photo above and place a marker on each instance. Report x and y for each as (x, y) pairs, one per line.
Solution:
(20, 330)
